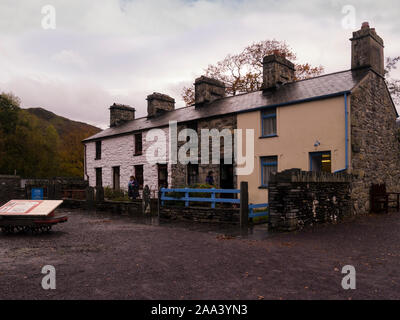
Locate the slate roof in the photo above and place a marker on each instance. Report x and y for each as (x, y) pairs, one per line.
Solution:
(310, 89)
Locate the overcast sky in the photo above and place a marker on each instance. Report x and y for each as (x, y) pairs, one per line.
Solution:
(122, 50)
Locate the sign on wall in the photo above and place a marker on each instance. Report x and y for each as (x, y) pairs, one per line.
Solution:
(37, 194)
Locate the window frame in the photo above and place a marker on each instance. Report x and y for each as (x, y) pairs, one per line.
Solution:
(269, 116)
(98, 149)
(136, 151)
(196, 167)
(318, 153)
(141, 183)
(263, 163)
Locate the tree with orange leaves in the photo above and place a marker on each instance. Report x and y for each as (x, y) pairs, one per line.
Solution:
(243, 72)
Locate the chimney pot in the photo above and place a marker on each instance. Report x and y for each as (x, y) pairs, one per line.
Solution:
(365, 25)
(120, 113)
(277, 70)
(158, 103)
(207, 90)
(367, 49)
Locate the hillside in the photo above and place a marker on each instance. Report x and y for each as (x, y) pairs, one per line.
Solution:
(63, 125)
(37, 143)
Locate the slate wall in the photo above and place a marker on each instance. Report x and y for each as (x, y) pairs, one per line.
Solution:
(299, 198)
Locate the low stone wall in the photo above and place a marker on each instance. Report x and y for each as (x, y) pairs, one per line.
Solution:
(10, 188)
(200, 214)
(113, 207)
(53, 189)
(298, 198)
(124, 208)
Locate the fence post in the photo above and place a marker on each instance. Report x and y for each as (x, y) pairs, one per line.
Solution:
(99, 194)
(244, 204)
(162, 195)
(213, 197)
(187, 201)
(90, 198)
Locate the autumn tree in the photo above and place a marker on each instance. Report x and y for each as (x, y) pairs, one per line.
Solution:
(243, 72)
(393, 84)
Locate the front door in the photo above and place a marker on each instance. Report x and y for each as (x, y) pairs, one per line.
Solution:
(320, 161)
(226, 176)
(116, 185)
(162, 176)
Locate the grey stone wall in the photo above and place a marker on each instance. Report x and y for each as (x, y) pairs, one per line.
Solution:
(10, 188)
(300, 198)
(375, 146)
(200, 214)
(179, 171)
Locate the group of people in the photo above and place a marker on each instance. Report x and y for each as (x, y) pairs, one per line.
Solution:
(133, 185)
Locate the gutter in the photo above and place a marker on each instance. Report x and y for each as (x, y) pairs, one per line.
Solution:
(346, 123)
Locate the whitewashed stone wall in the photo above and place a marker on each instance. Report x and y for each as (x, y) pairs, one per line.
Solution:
(119, 151)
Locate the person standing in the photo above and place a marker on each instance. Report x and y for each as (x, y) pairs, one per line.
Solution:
(210, 178)
(131, 186)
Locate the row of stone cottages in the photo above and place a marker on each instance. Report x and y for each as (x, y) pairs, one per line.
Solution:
(343, 121)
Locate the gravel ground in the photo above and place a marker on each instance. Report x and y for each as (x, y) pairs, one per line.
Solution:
(97, 256)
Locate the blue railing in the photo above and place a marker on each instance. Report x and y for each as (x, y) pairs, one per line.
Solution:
(253, 214)
(187, 198)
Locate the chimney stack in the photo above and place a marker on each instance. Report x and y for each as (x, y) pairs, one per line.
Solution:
(207, 90)
(120, 114)
(158, 103)
(277, 70)
(367, 49)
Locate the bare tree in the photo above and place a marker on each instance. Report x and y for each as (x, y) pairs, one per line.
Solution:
(243, 72)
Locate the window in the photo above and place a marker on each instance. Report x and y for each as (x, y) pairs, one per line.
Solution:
(193, 126)
(138, 144)
(192, 174)
(320, 161)
(99, 177)
(139, 175)
(116, 183)
(268, 118)
(98, 150)
(269, 165)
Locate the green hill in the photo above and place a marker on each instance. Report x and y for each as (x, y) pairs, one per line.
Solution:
(37, 143)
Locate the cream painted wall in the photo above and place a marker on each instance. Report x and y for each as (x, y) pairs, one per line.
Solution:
(298, 128)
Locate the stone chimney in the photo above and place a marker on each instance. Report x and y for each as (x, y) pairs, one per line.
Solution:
(120, 114)
(367, 49)
(277, 70)
(207, 90)
(158, 103)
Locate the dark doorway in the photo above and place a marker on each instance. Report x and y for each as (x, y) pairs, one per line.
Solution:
(226, 176)
(162, 176)
(99, 177)
(116, 184)
(139, 175)
(192, 174)
(320, 161)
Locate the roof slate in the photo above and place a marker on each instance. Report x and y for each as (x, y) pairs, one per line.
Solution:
(309, 89)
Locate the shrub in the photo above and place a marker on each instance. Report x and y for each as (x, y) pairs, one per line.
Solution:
(115, 195)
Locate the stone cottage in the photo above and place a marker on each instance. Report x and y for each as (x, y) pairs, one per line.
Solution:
(339, 122)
